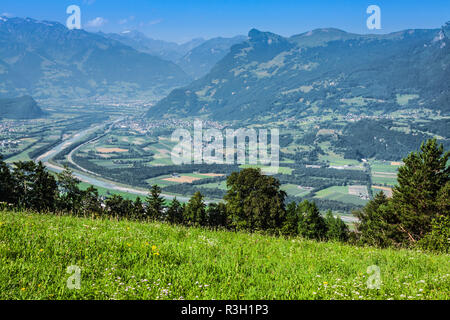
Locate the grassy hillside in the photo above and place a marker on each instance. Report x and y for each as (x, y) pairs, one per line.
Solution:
(130, 260)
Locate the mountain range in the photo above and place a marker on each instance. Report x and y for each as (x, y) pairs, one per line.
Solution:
(196, 57)
(324, 71)
(259, 76)
(166, 50)
(45, 59)
(20, 108)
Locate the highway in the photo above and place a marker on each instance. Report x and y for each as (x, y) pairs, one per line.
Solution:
(87, 176)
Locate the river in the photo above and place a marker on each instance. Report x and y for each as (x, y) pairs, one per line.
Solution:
(85, 176)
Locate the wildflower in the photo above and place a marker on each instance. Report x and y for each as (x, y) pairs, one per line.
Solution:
(41, 250)
(23, 289)
(153, 248)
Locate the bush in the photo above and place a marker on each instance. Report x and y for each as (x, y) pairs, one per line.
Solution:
(438, 239)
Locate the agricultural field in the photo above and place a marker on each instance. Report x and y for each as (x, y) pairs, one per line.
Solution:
(269, 169)
(107, 192)
(168, 180)
(348, 194)
(135, 260)
(295, 190)
(24, 140)
(384, 173)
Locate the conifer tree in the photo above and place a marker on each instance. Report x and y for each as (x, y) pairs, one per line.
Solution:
(336, 228)
(290, 225)
(311, 224)
(175, 212)
(217, 215)
(90, 204)
(6, 183)
(416, 198)
(70, 195)
(195, 211)
(155, 203)
(138, 209)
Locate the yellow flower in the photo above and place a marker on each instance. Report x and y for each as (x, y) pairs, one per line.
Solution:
(39, 285)
(41, 250)
(129, 244)
(325, 283)
(153, 247)
(23, 289)
(156, 253)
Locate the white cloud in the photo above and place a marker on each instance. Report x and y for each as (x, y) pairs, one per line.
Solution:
(153, 22)
(97, 22)
(6, 14)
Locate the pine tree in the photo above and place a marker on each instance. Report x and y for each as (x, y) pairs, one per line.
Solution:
(377, 223)
(44, 191)
(217, 215)
(23, 175)
(70, 195)
(6, 184)
(119, 207)
(155, 204)
(138, 209)
(290, 225)
(416, 198)
(195, 211)
(311, 224)
(90, 204)
(175, 212)
(336, 228)
(443, 200)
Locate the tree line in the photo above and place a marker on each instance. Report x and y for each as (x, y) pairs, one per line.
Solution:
(416, 215)
(254, 203)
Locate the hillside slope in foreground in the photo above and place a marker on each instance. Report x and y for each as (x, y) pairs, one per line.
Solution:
(132, 260)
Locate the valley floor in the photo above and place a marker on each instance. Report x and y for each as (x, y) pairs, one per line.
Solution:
(133, 260)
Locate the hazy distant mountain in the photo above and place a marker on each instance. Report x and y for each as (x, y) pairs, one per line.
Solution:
(165, 50)
(196, 57)
(20, 108)
(45, 59)
(322, 71)
(200, 60)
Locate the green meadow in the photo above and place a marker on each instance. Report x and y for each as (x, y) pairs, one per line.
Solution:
(135, 260)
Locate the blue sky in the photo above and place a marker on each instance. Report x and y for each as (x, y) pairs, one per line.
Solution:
(180, 21)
